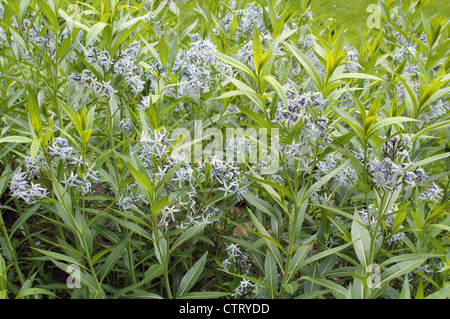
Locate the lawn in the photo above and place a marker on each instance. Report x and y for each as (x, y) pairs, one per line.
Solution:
(351, 14)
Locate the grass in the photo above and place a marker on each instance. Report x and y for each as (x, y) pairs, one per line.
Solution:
(352, 14)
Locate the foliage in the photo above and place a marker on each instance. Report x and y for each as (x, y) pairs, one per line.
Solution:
(97, 183)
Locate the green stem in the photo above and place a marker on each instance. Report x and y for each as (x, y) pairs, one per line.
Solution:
(163, 260)
(11, 250)
(293, 233)
(130, 261)
(373, 235)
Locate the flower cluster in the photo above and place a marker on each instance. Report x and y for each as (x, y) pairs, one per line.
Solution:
(197, 67)
(248, 290)
(228, 175)
(424, 270)
(237, 259)
(156, 145)
(352, 56)
(126, 126)
(247, 18)
(204, 216)
(306, 41)
(132, 198)
(391, 172)
(124, 66)
(345, 176)
(404, 53)
(36, 36)
(22, 187)
(433, 193)
(88, 80)
(61, 151)
(370, 218)
(436, 111)
(81, 182)
(298, 107)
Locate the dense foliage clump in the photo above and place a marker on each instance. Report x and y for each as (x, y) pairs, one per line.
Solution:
(233, 149)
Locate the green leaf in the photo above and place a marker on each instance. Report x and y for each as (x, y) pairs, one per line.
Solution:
(151, 273)
(34, 115)
(57, 256)
(83, 276)
(233, 62)
(427, 160)
(74, 117)
(440, 93)
(314, 294)
(389, 121)
(94, 31)
(273, 245)
(338, 291)
(335, 210)
(433, 127)
(34, 291)
(16, 139)
(23, 218)
(159, 205)
(277, 88)
(398, 270)
(113, 257)
(264, 235)
(48, 12)
(324, 254)
(4, 179)
(291, 287)
(35, 146)
(131, 226)
(408, 257)
(255, 116)
(361, 241)
(141, 178)
(354, 76)
(399, 217)
(163, 51)
(271, 272)
(205, 295)
(324, 180)
(189, 279)
(187, 234)
(444, 227)
(443, 293)
(261, 205)
(298, 258)
(308, 65)
(359, 130)
(406, 292)
(419, 292)
(14, 6)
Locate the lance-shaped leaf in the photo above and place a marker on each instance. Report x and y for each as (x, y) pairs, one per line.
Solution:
(190, 278)
(361, 240)
(308, 65)
(113, 257)
(235, 63)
